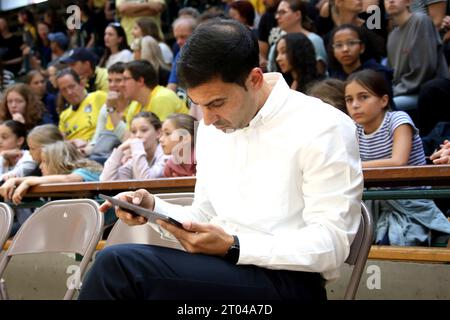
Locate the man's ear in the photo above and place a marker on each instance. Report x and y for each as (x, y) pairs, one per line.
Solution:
(256, 78)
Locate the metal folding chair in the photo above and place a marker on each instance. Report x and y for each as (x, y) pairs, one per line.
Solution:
(145, 234)
(359, 251)
(6, 222)
(69, 226)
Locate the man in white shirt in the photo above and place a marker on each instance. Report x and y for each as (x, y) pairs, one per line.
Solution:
(277, 199)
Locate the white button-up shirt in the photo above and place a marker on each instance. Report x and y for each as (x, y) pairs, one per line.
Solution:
(289, 185)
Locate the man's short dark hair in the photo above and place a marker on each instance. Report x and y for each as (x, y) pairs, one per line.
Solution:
(68, 71)
(118, 67)
(143, 69)
(225, 49)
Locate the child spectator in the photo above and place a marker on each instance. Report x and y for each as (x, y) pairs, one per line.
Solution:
(140, 157)
(14, 162)
(41, 136)
(37, 82)
(60, 162)
(347, 54)
(177, 140)
(330, 91)
(390, 138)
(111, 129)
(297, 60)
(21, 104)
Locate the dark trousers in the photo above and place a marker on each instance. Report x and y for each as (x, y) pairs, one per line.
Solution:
(134, 271)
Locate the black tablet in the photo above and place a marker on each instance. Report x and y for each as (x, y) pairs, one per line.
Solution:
(151, 216)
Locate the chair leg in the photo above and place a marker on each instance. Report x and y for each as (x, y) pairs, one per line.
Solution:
(3, 291)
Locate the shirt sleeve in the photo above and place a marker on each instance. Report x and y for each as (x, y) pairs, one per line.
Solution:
(400, 117)
(173, 72)
(113, 168)
(330, 177)
(101, 124)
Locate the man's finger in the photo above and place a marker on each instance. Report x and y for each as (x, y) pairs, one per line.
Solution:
(105, 206)
(138, 196)
(178, 233)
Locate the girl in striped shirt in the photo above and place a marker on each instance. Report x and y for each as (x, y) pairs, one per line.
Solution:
(390, 138)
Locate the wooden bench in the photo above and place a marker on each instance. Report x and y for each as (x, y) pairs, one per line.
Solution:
(393, 253)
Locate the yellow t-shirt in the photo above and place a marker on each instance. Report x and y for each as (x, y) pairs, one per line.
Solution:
(81, 123)
(128, 22)
(100, 82)
(101, 79)
(163, 102)
(259, 6)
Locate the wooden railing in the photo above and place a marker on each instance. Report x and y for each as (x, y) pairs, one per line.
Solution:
(433, 175)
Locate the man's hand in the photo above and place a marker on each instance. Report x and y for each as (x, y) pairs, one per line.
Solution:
(201, 237)
(140, 197)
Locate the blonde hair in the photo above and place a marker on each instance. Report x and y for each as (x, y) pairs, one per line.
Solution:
(45, 134)
(151, 52)
(63, 157)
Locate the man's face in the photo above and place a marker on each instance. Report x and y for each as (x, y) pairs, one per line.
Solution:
(82, 68)
(227, 106)
(182, 32)
(130, 86)
(395, 7)
(71, 90)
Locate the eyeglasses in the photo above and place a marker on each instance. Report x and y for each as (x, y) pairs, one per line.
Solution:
(281, 12)
(348, 44)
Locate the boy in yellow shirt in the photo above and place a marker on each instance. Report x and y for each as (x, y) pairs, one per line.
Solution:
(141, 85)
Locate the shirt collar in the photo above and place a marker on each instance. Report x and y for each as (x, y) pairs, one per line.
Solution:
(275, 101)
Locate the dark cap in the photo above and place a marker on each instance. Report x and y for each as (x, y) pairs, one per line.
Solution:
(60, 38)
(80, 54)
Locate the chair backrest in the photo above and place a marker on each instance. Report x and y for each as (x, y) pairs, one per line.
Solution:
(74, 226)
(6, 222)
(359, 251)
(145, 234)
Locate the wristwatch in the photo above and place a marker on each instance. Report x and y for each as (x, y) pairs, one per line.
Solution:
(232, 254)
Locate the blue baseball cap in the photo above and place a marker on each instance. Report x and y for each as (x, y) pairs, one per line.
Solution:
(80, 54)
(60, 38)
